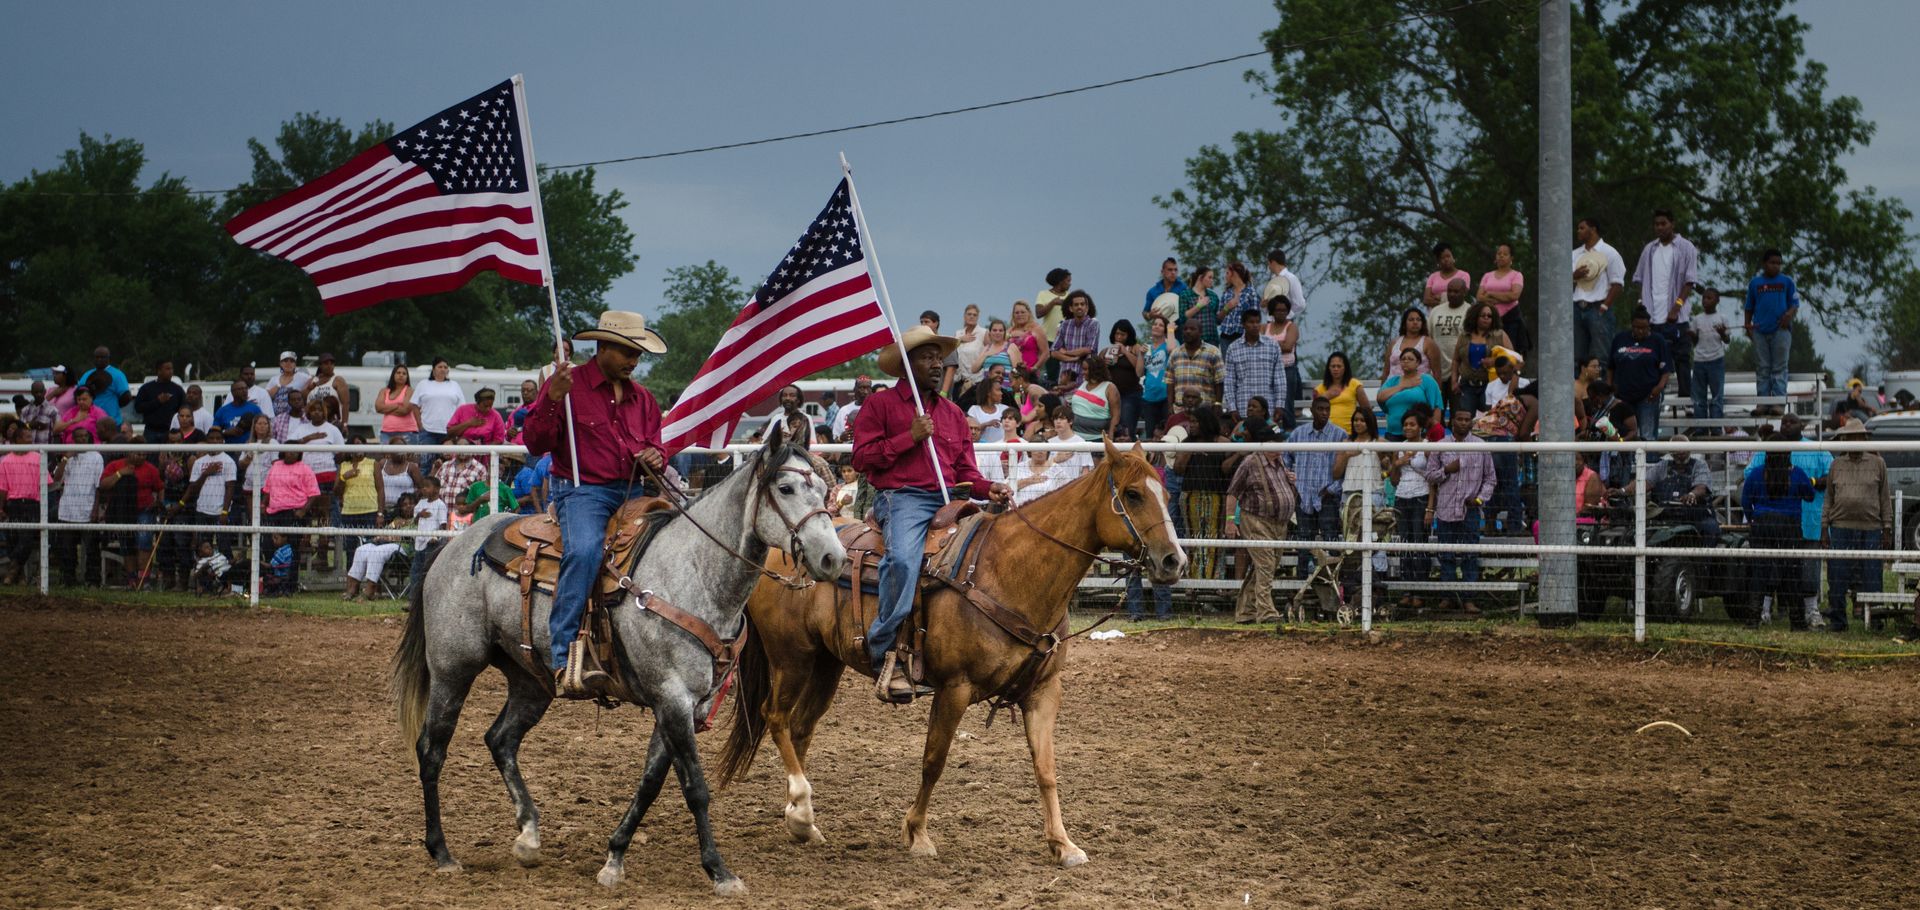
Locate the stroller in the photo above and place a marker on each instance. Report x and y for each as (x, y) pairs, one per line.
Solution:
(1332, 586)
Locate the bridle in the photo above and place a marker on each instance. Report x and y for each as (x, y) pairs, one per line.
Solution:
(1134, 563)
(764, 494)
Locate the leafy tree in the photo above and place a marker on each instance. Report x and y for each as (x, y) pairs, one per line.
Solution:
(1898, 345)
(1388, 142)
(1801, 355)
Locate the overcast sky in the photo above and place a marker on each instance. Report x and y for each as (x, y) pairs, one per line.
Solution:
(967, 209)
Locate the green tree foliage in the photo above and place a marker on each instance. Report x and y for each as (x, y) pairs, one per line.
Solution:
(1898, 344)
(1386, 143)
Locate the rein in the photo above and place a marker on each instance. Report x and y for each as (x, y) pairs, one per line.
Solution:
(791, 582)
(1132, 564)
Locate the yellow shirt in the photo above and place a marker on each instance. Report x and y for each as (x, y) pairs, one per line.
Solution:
(1051, 321)
(1341, 412)
(357, 493)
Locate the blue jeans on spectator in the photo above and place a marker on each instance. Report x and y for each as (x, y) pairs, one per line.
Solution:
(1323, 524)
(1770, 362)
(904, 515)
(1680, 351)
(1412, 528)
(387, 438)
(1506, 488)
(1710, 389)
(1593, 331)
(1162, 600)
(427, 459)
(583, 512)
(1288, 413)
(1859, 576)
(1153, 415)
(1175, 484)
(1453, 563)
(1132, 407)
(1647, 414)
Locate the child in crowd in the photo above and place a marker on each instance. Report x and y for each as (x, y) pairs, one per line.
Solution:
(210, 571)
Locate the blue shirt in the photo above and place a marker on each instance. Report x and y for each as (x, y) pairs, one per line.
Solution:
(1398, 406)
(241, 415)
(1815, 466)
(528, 478)
(110, 401)
(1753, 494)
(1153, 293)
(1313, 471)
(1767, 300)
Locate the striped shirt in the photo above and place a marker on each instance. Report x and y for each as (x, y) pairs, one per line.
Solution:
(1200, 371)
(1254, 369)
(1260, 486)
(1451, 492)
(1313, 471)
(1231, 306)
(1075, 334)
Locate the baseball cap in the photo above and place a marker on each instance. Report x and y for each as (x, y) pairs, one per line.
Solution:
(288, 355)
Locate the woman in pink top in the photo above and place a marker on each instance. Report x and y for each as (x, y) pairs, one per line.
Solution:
(1501, 288)
(479, 422)
(1027, 337)
(401, 417)
(1443, 275)
(84, 413)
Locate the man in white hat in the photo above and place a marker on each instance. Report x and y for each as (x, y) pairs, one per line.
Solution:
(890, 448)
(1858, 516)
(617, 423)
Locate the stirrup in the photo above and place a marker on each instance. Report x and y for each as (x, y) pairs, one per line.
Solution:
(579, 679)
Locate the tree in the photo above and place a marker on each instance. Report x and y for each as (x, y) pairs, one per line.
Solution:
(1898, 344)
(1425, 131)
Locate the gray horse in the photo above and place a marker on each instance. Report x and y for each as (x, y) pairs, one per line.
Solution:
(465, 616)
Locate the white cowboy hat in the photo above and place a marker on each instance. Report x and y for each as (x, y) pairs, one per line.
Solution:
(624, 328)
(1852, 429)
(890, 363)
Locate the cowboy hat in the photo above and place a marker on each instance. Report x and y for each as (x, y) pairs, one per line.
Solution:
(1852, 429)
(624, 328)
(912, 338)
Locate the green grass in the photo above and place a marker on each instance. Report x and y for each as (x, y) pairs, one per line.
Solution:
(317, 604)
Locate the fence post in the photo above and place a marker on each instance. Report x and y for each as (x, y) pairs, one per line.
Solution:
(1640, 540)
(253, 589)
(1366, 537)
(45, 532)
(493, 483)
(1899, 522)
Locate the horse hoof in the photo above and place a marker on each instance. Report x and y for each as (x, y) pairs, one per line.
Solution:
(732, 887)
(1073, 858)
(526, 850)
(923, 848)
(610, 876)
(449, 867)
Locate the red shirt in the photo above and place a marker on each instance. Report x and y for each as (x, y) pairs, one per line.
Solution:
(610, 434)
(885, 451)
(146, 477)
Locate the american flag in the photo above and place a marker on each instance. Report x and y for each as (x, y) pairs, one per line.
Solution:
(816, 310)
(421, 213)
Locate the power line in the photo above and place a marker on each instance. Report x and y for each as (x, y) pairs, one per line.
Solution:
(894, 121)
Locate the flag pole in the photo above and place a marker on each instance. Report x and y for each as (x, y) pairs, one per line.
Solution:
(893, 323)
(546, 263)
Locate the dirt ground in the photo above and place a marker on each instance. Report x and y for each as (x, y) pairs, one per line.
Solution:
(200, 759)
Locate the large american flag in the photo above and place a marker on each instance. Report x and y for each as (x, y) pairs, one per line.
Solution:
(421, 213)
(816, 310)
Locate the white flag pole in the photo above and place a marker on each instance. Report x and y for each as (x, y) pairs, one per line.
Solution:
(893, 323)
(546, 262)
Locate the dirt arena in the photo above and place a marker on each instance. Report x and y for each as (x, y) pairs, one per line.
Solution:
(198, 759)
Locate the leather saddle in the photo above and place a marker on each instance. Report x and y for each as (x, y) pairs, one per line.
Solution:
(532, 546)
(949, 537)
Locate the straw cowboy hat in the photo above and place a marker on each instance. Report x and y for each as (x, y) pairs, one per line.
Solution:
(912, 338)
(624, 328)
(1852, 429)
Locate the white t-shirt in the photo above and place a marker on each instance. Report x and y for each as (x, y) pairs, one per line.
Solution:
(219, 470)
(1287, 283)
(843, 418)
(1614, 273)
(433, 516)
(202, 420)
(79, 484)
(437, 401)
(1660, 283)
(1709, 346)
(261, 398)
(1447, 323)
(992, 431)
(1413, 477)
(320, 462)
(257, 471)
(779, 417)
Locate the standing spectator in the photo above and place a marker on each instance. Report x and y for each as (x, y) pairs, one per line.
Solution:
(1341, 390)
(133, 485)
(518, 419)
(1284, 283)
(20, 498)
(1155, 382)
(1461, 483)
(1598, 275)
(1077, 339)
(1360, 474)
(1169, 283)
(1313, 478)
(328, 388)
(1253, 369)
(158, 402)
(117, 393)
(1501, 289)
(78, 477)
(256, 391)
(1709, 333)
(285, 383)
(399, 416)
(202, 417)
(972, 337)
(1095, 404)
(1406, 388)
(1669, 268)
(1442, 277)
(435, 401)
(480, 424)
(1505, 419)
(1413, 337)
(64, 385)
(1239, 300)
(1261, 502)
(862, 387)
(1285, 331)
(1772, 302)
(316, 429)
(1125, 357)
(1473, 356)
(253, 469)
(984, 415)
(83, 413)
(399, 475)
(292, 495)
(1448, 323)
(210, 484)
(1774, 496)
(1411, 503)
(458, 473)
(1858, 516)
(787, 412)
(1196, 367)
(1639, 365)
(39, 415)
(1028, 338)
(234, 420)
(1203, 486)
(1200, 305)
(1051, 306)
(296, 412)
(356, 492)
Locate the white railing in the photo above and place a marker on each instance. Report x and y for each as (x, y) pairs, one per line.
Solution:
(1640, 552)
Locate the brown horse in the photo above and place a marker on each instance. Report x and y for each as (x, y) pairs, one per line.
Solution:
(1028, 565)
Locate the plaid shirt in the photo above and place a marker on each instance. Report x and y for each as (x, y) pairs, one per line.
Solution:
(1270, 496)
(1254, 369)
(1451, 492)
(43, 412)
(455, 477)
(1231, 307)
(1199, 372)
(1209, 317)
(1075, 334)
(1313, 471)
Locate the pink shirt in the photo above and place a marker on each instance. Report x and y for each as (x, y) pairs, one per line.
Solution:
(1514, 281)
(398, 423)
(289, 486)
(93, 422)
(20, 475)
(491, 431)
(1437, 284)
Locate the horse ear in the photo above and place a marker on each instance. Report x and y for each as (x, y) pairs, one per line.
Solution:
(770, 449)
(1107, 441)
(1139, 449)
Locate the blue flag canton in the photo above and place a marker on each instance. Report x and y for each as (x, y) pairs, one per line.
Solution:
(472, 147)
(830, 243)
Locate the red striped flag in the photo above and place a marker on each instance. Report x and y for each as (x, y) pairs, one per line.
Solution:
(816, 310)
(421, 213)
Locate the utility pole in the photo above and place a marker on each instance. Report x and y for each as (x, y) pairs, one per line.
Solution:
(1558, 572)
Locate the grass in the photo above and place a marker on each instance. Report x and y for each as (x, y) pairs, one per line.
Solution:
(324, 603)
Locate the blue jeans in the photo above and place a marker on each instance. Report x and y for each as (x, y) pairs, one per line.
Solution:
(1506, 488)
(424, 438)
(1413, 528)
(1680, 350)
(584, 511)
(1770, 361)
(1647, 414)
(1859, 576)
(1320, 524)
(1132, 408)
(1593, 332)
(904, 515)
(1287, 413)
(1175, 484)
(387, 438)
(1710, 389)
(1162, 599)
(1466, 530)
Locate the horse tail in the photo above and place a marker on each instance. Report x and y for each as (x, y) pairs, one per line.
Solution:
(752, 686)
(411, 677)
